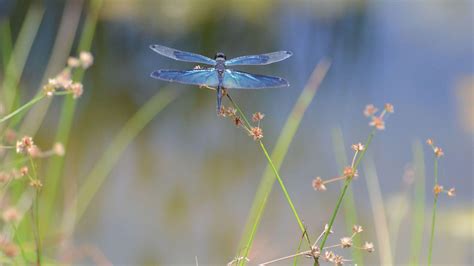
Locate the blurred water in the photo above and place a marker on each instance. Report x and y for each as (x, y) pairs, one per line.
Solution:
(185, 186)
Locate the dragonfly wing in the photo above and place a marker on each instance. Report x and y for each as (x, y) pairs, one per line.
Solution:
(181, 55)
(261, 59)
(240, 80)
(193, 77)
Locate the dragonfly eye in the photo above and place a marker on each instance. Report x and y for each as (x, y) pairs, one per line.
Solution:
(220, 55)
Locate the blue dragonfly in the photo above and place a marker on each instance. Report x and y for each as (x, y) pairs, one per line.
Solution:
(218, 75)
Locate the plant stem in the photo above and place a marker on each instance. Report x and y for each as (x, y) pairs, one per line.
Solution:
(35, 216)
(22, 108)
(280, 181)
(433, 218)
(344, 189)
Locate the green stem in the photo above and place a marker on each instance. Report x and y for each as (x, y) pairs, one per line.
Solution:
(283, 188)
(35, 216)
(22, 108)
(343, 192)
(280, 181)
(433, 218)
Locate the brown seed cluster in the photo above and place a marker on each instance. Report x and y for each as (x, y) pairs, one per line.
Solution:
(378, 121)
(328, 253)
(63, 81)
(438, 153)
(256, 132)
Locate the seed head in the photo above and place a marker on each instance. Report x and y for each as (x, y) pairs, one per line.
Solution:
(58, 149)
(369, 247)
(438, 152)
(338, 260)
(76, 89)
(86, 59)
(357, 147)
(389, 108)
(452, 192)
(429, 142)
(318, 184)
(25, 145)
(437, 189)
(256, 133)
(370, 110)
(377, 122)
(350, 172)
(237, 121)
(24, 170)
(256, 117)
(329, 256)
(73, 62)
(36, 183)
(346, 242)
(357, 229)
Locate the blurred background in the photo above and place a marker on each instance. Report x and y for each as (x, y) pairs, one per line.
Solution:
(184, 187)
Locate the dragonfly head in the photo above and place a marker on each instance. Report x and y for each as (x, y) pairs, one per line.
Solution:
(220, 56)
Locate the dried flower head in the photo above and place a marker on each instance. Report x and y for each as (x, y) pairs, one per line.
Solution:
(338, 260)
(24, 170)
(369, 247)
(357, 147)
(346, 242)
(10, 214)
(318, 184)
(329, 256)
(36, 183)
(429, 142)
(58, 149)
(377, 122)
(86, 59)
(370, 110)
(326, 228)
(315, 252)
(76, 89)
(256, 117)
(73, 62)
(256, 133)
(437, 189)
(25, 145)
(350, 172)
(237, 121)
(438, 152)
(389, 108)
(357, 229)
(452, 192)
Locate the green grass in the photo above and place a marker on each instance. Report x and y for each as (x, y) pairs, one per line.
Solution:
(418, 222)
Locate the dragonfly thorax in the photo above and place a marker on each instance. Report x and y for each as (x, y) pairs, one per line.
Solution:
(220, 55)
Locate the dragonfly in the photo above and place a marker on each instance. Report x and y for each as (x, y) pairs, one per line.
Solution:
(218, 75)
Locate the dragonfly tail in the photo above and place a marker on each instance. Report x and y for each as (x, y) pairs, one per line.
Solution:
(219, 99)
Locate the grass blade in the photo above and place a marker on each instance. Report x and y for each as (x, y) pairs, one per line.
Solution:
(378, 210)
(416, 242)
(20, 53)
(112, 154)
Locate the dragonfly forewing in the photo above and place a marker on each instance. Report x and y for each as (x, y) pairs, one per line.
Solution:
(182, 55)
